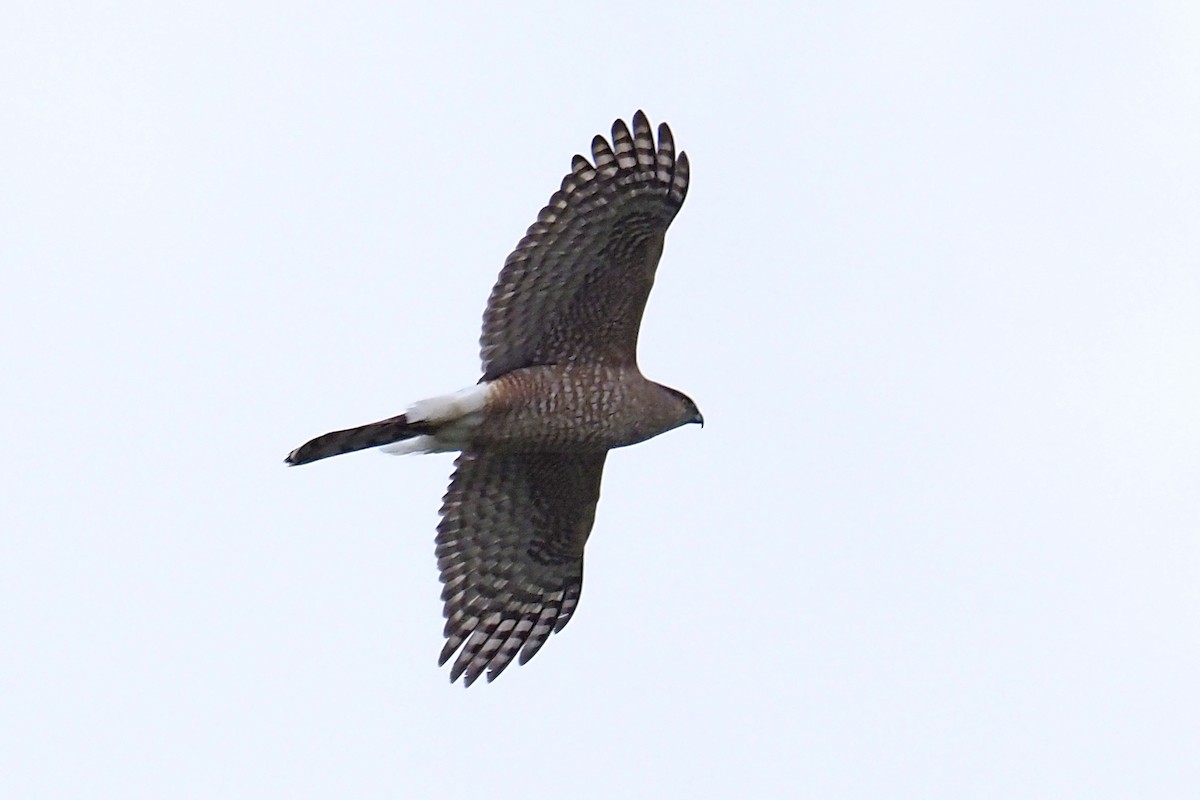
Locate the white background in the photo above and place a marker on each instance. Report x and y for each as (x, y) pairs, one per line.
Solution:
(936, 288)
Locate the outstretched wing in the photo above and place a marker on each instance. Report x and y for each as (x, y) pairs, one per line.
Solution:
(510, 550)
(576, 286)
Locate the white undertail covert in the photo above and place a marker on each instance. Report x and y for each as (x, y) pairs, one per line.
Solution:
(458, 414)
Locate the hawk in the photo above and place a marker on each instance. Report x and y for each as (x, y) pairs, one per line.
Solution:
(560, 388)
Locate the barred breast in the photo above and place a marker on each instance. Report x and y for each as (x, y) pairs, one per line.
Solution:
(573, 406)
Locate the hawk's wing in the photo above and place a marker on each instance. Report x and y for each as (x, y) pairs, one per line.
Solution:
(510, 551)
(576, 285)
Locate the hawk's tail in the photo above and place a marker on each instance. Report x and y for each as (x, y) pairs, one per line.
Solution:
(388, 431)
(460, 412)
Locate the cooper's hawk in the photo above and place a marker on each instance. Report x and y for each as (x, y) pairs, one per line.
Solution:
(560, 387)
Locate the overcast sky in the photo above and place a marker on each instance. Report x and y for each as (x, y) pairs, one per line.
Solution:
(936, 288)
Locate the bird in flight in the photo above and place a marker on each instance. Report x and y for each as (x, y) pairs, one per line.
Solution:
(560, 388)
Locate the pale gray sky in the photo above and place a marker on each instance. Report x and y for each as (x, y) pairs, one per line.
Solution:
(936, 288)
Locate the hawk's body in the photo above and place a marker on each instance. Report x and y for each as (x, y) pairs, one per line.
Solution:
(560, 388)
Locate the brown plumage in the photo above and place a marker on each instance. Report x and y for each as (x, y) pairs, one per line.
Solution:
(560, 388)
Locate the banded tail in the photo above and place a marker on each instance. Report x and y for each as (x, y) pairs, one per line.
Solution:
(438, 424)
(376, 434)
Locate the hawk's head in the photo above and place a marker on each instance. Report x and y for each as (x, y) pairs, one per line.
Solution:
(683, 410)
